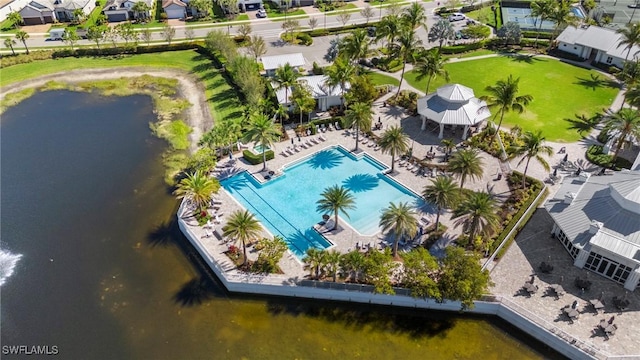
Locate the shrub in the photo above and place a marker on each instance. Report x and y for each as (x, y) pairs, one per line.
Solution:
(603, 137)
(532, 35)
(317, 69)
(457, 49)
(304, 39)
(255, 159)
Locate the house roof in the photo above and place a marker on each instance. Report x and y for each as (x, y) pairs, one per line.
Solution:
(316, 83)
(41, 5)
(453, 104)
(598, 38)
(167, 3)
(276, 61)
(72, 4)
(597, 199)
(118, 4)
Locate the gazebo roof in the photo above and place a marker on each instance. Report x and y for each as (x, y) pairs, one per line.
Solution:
(453, 105)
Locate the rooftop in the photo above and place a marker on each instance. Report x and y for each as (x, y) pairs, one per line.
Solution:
(276, 61)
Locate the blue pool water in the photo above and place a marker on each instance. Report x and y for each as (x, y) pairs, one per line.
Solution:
(259, 149)
(286, 205)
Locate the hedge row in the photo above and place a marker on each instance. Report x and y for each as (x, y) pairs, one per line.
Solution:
(345, 29)
(255, 159)
(595, 155)
(541, 34)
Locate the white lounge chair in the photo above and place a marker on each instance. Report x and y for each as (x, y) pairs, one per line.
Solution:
(337, 125)
(321, 137)
(364, 141)
(317, 129)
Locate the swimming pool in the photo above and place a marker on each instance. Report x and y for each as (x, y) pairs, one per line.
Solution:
(259, 149)
(286, 205)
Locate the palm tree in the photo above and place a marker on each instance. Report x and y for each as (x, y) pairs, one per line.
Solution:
(141, 10)
(448, 145)
(477, 214)
(360, 116)
(431, 64)
(332, 262)
(401, 221)
(415, 16)
(443, 193)
(504, 96)
(533, 146)
(626, 122)
(561, 15)
(336, 199)
(8, 42)
(282, 113)
(630, 37)
(23, 36)
(198, 187)
(541, 9)
(339, 74)
(406, 48)
(388, 29)
(466, 163)
(263, 131)
(286, 76)
(244, 227)
(355, 47)
(395, 142)
(315, 260)
(351, 263)
(15, 19)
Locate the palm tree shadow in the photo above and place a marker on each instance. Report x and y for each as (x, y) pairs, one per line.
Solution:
(325, 159)
(194, 292)
(361, 182)
(583, 124)
(163, 235)
(595, 82)
(524, 58)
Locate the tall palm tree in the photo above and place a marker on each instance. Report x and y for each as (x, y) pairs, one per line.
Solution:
(15, 19)
(23, 36)
(141, 10)
(504, 96)
(395, 142)
(466, 163)
(355, 47)
(431, 64)
(415, 16)
(401, 221)
(352, 263)
(286, 76)
(339, 74)
(630, 37)
(315, 260)
(443, 193)
(533, 146)
(336, 199)
(360, 116)
(244, 227)
(198, 187)
(541, 10)
(263, 131)
(561, 15)
(8, 42)
(332, 263)
(388, 29)
(626, 122)
(408, 44)
(477, 214)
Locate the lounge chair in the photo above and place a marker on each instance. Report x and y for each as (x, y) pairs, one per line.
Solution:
(315, 141)
(321, 137)
(410, 166)
(317, 129)
(337, 125)
(327, 226)
(296, 148)
(323, 128)
(364, 141)
(376, 147)
(308, 143)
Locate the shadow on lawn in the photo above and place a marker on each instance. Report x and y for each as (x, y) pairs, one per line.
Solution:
(583, 124)
(595, 81)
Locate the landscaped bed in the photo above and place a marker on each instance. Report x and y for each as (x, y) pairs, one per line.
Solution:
(559, 90)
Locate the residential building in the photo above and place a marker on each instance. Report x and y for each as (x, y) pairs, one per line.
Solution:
(271, 63)
(38, 12)
(64, 9)
(325, 96)
(597, 220)
(121, 10)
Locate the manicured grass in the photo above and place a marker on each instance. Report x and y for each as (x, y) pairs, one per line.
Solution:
(223, 100)
(469, 54)
(381, 79)
(486, 16)
(279, 14)
(559, 90)
(385, 2)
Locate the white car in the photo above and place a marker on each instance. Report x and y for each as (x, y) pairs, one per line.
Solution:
(456, 17)
(261, 13)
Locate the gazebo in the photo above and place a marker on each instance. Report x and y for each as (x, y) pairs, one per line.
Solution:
(452, 104)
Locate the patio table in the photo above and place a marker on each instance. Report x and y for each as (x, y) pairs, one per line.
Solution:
(597, 304)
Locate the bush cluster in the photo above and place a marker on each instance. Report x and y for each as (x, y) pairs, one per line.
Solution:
(255, 159)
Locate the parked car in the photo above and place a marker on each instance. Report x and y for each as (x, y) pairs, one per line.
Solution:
(371, 31)
(456, 17)
(262, 13)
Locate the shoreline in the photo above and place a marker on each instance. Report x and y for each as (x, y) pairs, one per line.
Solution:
(197, 116)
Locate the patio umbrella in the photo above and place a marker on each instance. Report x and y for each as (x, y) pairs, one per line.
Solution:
(555, 172)
(431, 149)
(566, 158)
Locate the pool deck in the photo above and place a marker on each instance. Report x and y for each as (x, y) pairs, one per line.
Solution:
(532, 245)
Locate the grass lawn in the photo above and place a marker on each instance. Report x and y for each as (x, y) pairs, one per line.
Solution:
(279, 14)
(486, 16)
(559, 90)
(381, 79)
(223, 101)
(469, 54)
(385, 2)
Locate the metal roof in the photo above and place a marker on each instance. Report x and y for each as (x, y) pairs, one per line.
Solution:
(439, 108)
(620, 231)
(276, 61)
(598, 38)
(316, 83)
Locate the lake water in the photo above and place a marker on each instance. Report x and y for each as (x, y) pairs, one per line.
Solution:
(105, 274)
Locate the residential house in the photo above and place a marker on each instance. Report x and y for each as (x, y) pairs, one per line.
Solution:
(121, 10)
(597, 220)
(271, 63)
(175, 9)
(64, 9)
(38, 12)
(9, 6)
(597, 44)
(325, 96)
